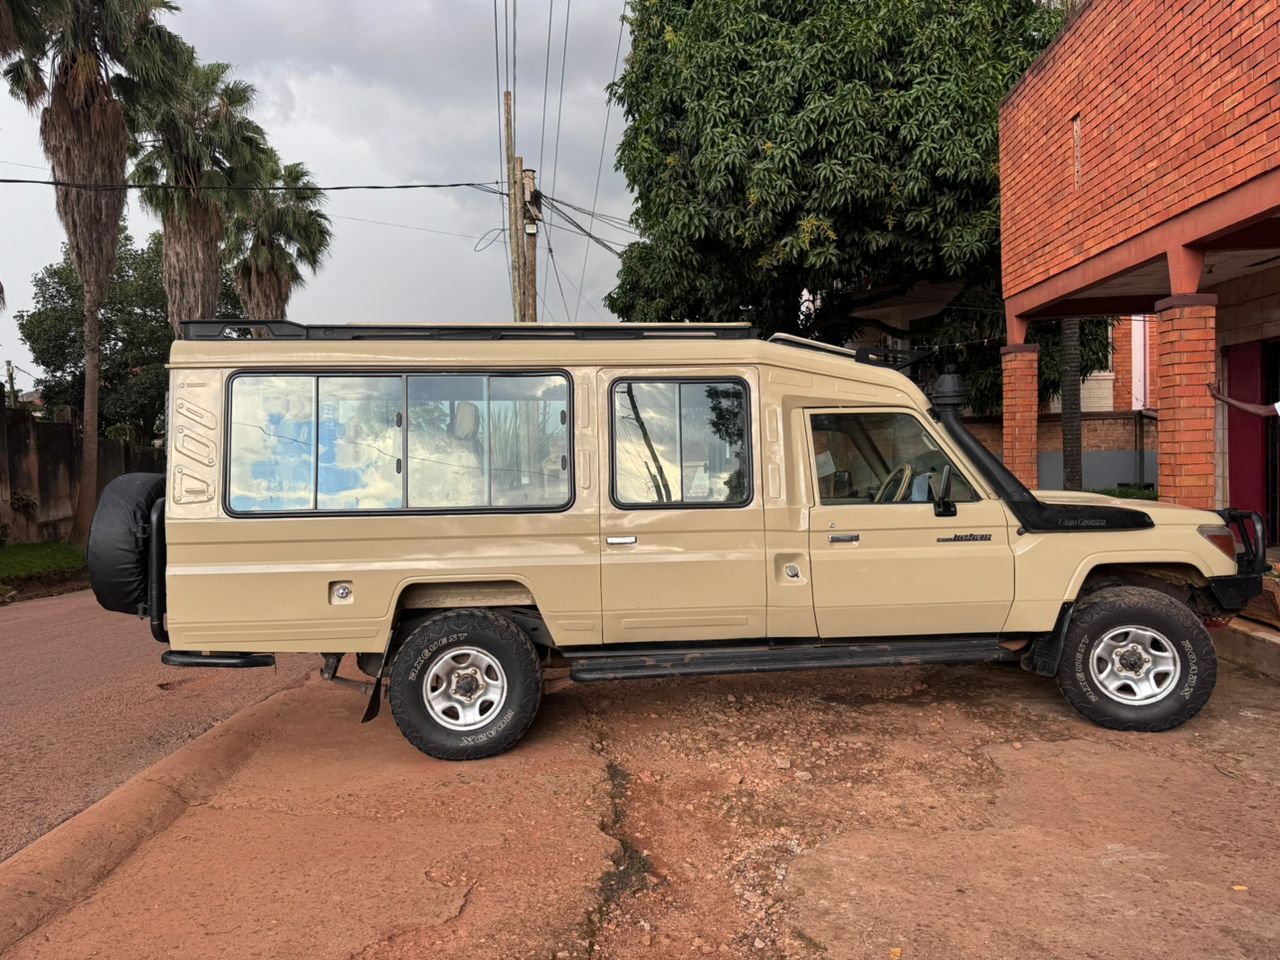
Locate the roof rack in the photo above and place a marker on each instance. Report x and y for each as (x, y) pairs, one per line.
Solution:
(787, 340)
(287, 330)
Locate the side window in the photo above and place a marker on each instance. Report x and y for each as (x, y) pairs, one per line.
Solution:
(273, 444)
(680, 442)
(359, 432)
(488, 441)
(879, 458)
(390, 441)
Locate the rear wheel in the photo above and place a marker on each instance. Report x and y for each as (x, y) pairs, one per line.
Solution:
(465, 684)
(1136, 659)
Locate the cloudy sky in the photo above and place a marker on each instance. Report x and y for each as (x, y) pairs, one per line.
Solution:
(402, 91)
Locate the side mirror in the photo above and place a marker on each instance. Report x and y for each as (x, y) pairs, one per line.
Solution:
(943, 505)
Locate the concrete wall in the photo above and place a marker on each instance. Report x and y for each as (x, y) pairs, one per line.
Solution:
(39, 473)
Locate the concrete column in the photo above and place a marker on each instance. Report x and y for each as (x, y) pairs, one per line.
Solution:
(1021, 366)
(1185, 362)
(6, 513)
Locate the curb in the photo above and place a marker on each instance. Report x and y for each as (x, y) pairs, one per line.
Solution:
(1249, 644)
(66, 864)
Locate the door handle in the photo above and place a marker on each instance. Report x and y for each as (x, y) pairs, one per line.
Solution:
(619, 541)
(842, 538)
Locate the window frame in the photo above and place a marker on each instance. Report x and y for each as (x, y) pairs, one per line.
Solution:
(960, 466)
(748, 448)
(404, 374)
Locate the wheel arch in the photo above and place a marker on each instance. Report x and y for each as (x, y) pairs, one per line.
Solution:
(1177, 575)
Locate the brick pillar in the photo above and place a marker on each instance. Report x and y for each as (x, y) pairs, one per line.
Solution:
(1122, 364)
(1185, 362)
(1021, 364)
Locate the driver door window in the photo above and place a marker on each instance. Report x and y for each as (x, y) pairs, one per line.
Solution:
(879, 458)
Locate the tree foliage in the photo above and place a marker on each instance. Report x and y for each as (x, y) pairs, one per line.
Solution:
(274, 236)
(776, 146)
(135, 335)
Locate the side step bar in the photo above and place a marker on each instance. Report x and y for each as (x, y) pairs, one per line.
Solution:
(183, 658)
(595, 665)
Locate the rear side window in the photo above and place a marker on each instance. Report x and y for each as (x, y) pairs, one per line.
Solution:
(679, 442)
(389, 442)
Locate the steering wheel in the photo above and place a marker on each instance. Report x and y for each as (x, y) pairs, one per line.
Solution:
(896, 485)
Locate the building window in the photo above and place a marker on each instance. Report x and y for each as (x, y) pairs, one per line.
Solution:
(680, 442)
(381, 443)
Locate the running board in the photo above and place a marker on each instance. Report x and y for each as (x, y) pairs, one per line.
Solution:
(183, 658)
(595, 665)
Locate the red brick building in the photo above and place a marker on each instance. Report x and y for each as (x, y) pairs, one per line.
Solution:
(1140, 168)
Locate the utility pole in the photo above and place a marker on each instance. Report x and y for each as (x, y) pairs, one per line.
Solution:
(515, 205)
(13, 391)
(532, 216)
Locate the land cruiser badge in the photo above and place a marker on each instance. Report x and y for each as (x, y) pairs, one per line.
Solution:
(966, 538)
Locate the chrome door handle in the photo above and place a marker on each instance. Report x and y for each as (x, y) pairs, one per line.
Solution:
(842, 538)
(619, 541)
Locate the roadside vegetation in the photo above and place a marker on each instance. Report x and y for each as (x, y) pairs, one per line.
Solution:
(38, 567)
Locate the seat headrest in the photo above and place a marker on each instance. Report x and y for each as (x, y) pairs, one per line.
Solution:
(466, 419)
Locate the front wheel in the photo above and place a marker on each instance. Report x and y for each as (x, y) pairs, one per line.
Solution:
(465, 684)
(1136, 659)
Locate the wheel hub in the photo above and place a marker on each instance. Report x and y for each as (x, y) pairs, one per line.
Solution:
(466, 684)
(1131, 661)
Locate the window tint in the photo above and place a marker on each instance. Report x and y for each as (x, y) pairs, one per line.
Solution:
(273, 444)
(350, 443)
(679, 442)
(489, 441)
(857, 454)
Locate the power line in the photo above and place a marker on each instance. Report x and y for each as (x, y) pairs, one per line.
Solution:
(604, 141)
(555, 160)
(591, 305)
(502, 151)
(546, 78)
(551, 262)
(483, 186)
(406, 226)
(577, 227)
(29, 166)
(622, 223)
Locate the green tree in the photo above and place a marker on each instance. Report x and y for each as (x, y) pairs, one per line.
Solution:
(197, 137)
(21, 27)
(834, 147)
(135, 335)
(274, 236)
(71, 55)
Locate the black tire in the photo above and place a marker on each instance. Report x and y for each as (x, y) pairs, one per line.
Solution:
(450, 634)
(118, 541)
(1186, 638)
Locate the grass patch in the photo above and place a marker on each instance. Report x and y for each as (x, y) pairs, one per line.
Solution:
(34, 561)
(1128, 493)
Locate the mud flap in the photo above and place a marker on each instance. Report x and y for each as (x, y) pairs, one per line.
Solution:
(1046, 652)
(375, 700)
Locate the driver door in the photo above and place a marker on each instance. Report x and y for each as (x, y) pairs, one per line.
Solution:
(883, 563)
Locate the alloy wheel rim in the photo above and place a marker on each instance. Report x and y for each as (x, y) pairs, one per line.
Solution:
(464, 689)
(1135, 665)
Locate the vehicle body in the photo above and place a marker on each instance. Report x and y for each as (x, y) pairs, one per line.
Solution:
(637, 501)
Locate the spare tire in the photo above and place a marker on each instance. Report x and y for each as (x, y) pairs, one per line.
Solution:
(118, 541)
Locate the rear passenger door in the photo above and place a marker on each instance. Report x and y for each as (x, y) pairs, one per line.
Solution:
(682, 526)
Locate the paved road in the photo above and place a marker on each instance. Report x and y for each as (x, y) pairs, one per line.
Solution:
(87, 704)
(961, 813)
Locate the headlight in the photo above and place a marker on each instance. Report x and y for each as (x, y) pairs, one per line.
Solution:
(1220, 536)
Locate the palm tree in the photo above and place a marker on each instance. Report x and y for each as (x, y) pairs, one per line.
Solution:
(21, 28)
(68, 56)
(195, 146)
(277, 233)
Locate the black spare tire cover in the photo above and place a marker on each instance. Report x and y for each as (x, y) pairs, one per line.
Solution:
(117, 553)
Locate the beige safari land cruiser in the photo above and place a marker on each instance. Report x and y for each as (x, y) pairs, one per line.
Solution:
(460, 507)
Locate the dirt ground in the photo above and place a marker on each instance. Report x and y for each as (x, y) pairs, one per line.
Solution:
(87, 704)
(892, 814)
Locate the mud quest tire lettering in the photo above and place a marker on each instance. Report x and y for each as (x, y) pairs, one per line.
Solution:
(1183, 644)
(484, 635)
